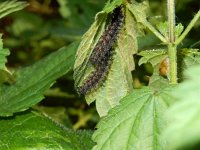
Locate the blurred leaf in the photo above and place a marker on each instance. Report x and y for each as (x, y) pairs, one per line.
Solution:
(154, 56)
(5, 75)
(137, 122)
(32, 130)
(31, 82)
(80, 14)
(190, 57)
(64, 9)
(3, 54)
(184, 128)
(55, 113)
(56, 92)
(10, 6)
(27, 25)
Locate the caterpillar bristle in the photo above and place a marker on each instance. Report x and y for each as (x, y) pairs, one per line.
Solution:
(108, 38)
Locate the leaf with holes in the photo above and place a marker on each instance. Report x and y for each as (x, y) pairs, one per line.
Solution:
(154, 56)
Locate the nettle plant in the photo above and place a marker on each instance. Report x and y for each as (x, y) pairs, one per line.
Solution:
(161, 115)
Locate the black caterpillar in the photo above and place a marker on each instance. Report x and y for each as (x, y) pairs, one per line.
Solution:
(102, 54)
(108, 38)
(96, 77)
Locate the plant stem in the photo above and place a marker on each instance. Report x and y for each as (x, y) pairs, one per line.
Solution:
(153, 30)
(171, 46)
(171, 20)
(172, 53)
(189, 27)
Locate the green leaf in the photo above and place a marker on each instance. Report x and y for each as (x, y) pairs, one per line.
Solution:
(32, 130)
(10, 6)
(108, 96)
(178, 30)
(5, 75)
(81, 69)
(163, 28)
(154, 56)
(32, 81)
(190, 57)
(136, 123)
(184, 129)
(3, 54)
(139, 10)
(110, 5)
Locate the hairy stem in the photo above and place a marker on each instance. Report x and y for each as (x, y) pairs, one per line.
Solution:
(171, 20)
(152, 29)
(189, 27)
(172, 52)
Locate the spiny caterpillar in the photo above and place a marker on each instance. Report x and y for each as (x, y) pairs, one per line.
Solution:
(102, 53)
(96, 77)
(108, 38)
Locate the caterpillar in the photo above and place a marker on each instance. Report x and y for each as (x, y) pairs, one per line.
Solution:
(108, 38)
(96, 77)
(102, 52)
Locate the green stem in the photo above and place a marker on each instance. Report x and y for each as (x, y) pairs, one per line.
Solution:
(171, 20)
(153, 30)
(172, 63)
(189, 27)
(172, 52)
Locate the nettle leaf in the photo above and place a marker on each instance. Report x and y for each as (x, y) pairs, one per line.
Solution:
(110, 5)
(89, 39)
(5, 75)
(190, 57)
(10, 6)
(178, 30)
(33, 130)
(139, 10)
(108, 96)
(154, 56)
(163, 28)
(119, 80)
(136, 123)
(32, 81)
(184, 129)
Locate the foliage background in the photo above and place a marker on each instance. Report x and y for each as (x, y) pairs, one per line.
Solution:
(46, 25)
